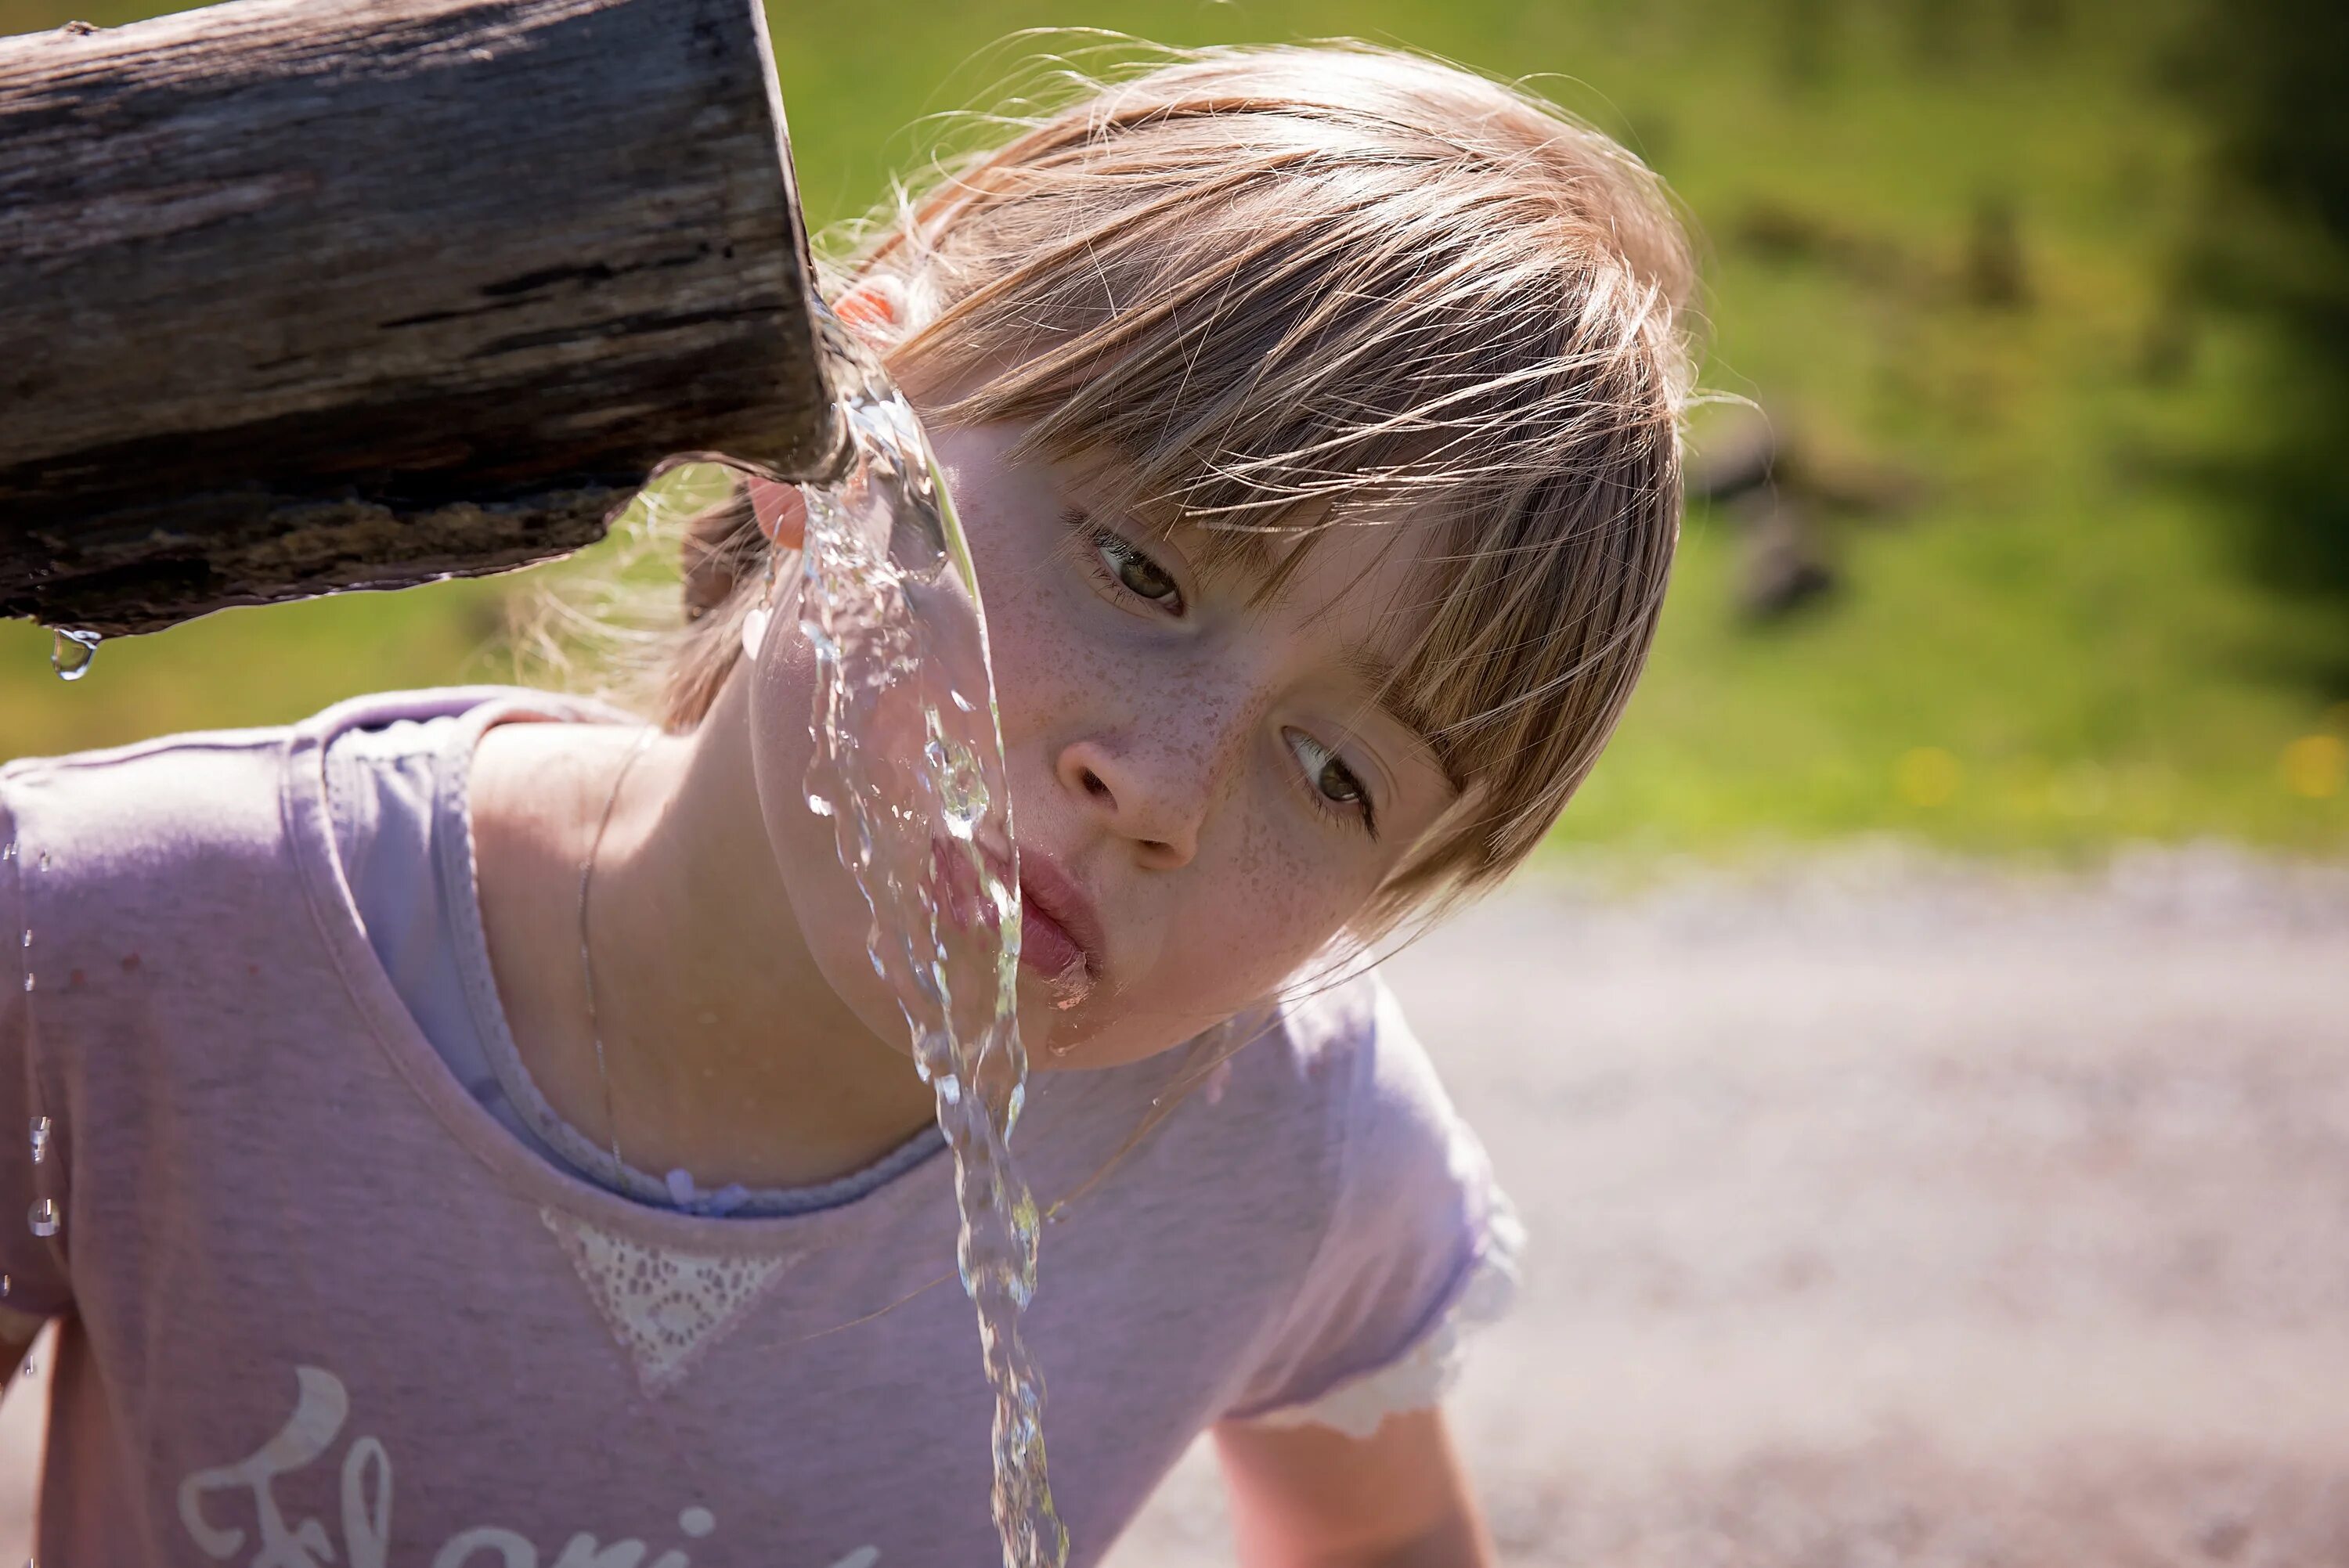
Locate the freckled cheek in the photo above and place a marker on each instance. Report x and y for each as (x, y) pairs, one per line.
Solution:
(1272, 905)
(1044, 675)
(1029, 641)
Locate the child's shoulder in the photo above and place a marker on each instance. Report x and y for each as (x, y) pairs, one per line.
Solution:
(1387, 1234)
(95, 769)
(1341, 1057)
(133, 808)
(185, 801)
(1348, 1042)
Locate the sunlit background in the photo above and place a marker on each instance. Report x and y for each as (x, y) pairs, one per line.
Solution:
(2043, 300)
(2024, 678)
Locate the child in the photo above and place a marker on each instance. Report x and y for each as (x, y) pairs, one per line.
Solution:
(1312, 415)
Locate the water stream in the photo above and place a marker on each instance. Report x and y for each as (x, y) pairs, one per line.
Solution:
(909, 767)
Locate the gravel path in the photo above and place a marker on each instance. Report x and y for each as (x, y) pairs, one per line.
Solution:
(1887, 1212)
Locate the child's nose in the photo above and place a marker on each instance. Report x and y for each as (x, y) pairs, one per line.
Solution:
(1147, 804)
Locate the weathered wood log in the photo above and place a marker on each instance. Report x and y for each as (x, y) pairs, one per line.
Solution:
(306, 295)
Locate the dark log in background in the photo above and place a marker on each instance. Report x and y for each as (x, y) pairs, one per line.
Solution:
(306, 295)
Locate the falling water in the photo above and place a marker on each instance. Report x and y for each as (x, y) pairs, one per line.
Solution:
(45, 1218)
(72, 652)
(909, 767)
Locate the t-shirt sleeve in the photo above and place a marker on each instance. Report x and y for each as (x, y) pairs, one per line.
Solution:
(32, 1268)
(1420, 1249)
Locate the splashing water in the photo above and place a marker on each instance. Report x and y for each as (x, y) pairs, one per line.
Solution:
(909, 769)
(71, 652)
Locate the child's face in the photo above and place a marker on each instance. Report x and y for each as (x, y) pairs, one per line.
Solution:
(1205, 793)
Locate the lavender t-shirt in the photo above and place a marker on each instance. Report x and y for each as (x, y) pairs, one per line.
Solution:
(399, 797)
(324, 1306)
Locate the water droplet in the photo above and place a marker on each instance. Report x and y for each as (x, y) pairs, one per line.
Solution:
(28, 979)
(71, 652)
(697, 1521)
(44, 1218)
(6, 1285)
(962, 788)
(40, 1139)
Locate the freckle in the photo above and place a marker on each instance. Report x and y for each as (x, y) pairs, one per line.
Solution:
(74, 980)
(129, 963)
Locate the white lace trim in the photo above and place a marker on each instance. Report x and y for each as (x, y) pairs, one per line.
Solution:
(663, 1305)
(1421, 1375)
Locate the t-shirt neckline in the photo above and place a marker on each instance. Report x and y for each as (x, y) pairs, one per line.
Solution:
(335, 914)
(452, 837)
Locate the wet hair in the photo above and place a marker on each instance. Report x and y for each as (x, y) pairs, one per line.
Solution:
(1289, 288)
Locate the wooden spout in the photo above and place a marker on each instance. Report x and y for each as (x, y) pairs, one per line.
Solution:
(298, 295)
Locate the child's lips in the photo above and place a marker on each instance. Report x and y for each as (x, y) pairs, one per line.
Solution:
(1046, 946)
(1061, 937)
(1048, 950)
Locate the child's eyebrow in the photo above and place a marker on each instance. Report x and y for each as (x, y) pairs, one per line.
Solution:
(1373, 669)
(1251, 551)
(1377, 673)
(1248, 550)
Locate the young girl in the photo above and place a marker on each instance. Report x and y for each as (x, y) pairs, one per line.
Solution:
(1312, 415)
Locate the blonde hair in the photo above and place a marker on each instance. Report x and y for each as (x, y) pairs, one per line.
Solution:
(1289, 287)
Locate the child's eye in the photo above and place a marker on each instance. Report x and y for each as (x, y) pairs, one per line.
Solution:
(1338, 787)
(1136, 572)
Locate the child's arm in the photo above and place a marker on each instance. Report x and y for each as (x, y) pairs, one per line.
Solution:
(1311, 1497)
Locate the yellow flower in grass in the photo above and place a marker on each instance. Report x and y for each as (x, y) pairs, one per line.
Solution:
(2315, 766)
(1926, 775)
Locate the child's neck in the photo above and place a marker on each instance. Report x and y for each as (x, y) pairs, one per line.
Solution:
(729, 1055)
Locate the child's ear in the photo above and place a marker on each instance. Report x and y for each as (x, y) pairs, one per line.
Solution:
(874, 307)
(781, 515)
(706, 557)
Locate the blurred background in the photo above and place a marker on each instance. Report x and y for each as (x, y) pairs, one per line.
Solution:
(1933, 1122)
(2044, 302)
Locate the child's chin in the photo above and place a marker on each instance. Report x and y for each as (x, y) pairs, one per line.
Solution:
(1056, 1035)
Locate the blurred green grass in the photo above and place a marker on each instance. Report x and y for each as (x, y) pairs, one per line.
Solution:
(2063, 644)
